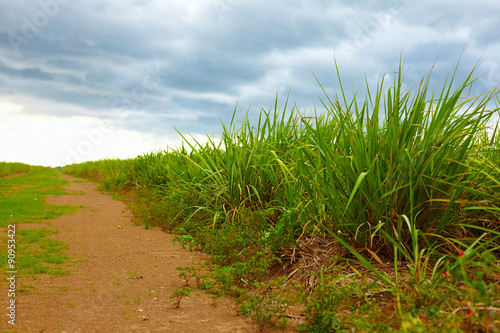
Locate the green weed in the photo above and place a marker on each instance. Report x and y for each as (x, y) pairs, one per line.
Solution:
(133, 275)
(179, 294)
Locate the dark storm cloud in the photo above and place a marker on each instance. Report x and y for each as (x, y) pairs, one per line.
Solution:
(185, 64)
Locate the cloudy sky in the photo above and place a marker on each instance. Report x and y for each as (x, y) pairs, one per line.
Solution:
(90, 79)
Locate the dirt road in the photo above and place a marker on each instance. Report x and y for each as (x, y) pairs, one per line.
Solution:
(123, 281)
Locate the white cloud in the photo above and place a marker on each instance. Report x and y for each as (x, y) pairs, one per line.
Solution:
(54, 141)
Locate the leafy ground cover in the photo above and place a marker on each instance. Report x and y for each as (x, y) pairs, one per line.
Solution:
(379, 212)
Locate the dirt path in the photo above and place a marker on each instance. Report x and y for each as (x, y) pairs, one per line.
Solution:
(123, 283)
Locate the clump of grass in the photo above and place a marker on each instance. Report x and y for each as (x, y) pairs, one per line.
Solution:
(402, 154)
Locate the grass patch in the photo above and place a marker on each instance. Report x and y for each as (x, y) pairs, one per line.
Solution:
(27, 288)
(8, 169)
(38, 254)
(22, 200)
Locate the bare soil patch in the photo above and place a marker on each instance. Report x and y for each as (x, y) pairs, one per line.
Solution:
(122, 280)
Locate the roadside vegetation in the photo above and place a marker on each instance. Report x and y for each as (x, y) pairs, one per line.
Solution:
(9, 168)
(378, 212)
